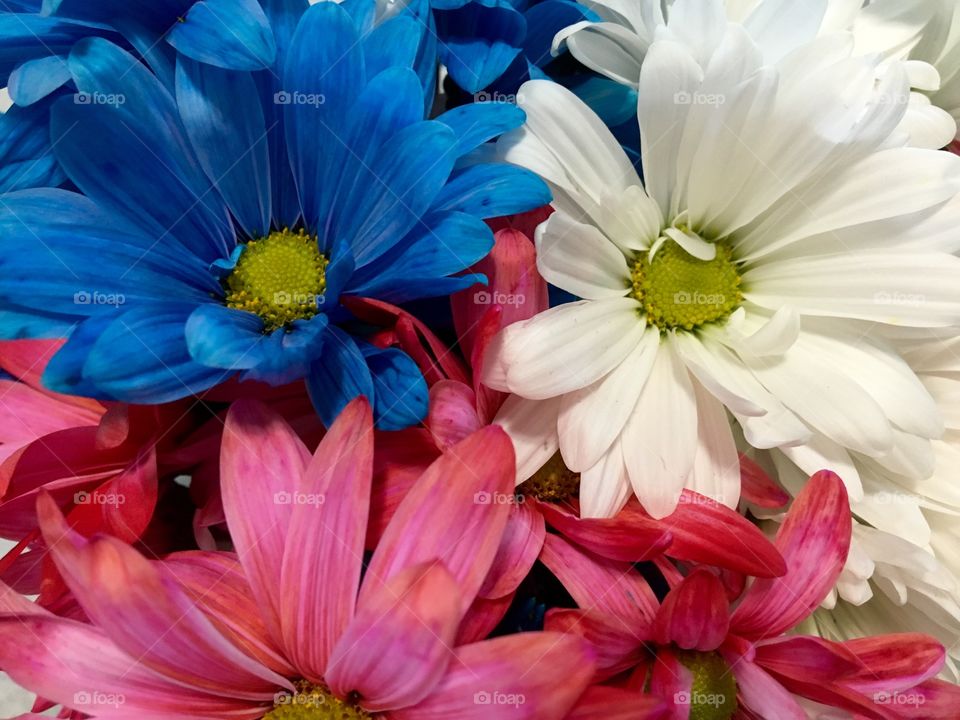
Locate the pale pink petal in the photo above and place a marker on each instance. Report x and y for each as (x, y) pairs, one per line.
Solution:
(758, 488)
(600, 585)
(453, 413)
(455, 513)
(261, 463)
(761, 694)
(672, 681)
(895, 662)
(807, 658)
(531, 676)
(482, 619)
(399, 646)
(519, 548)
(324, 551)
(695, 615)
(148, 615)
(76, 665)
(27, 414)
(814, 541)
(616, 647)
(611, 703)
(13, 603)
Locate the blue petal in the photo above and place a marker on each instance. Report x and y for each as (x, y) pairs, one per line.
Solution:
(544, 21)
(324, 70)
(125, 148)
(392, 44)
(35, 79)
(409, 172)
(447, 244)
(493, 189)
(142, 357)
(224, 120)
(339, 376)
(26, 157)
(156, 14)
(478, 43)
(64, 372)
(401, 396)
(363, 12)
(613, 102)
(28, 37)
(476, 123)
(231, 34)
(222, 337)
(18, 324)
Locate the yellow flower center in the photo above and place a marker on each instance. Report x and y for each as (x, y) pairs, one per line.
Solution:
(713, 692)
(281, 278)
(312, 702)
(679, 291)
(553, 482)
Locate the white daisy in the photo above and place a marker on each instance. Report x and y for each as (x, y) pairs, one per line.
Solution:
(887, 29)
(778, 225)
(940, 46)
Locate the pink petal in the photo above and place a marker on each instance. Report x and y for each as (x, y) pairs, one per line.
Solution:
(895, 662)
(519, 548)
(482, 618)
(13, 603)
(761, 694)
(453, 413)
(531, 676)
(76, 665)
(932, 700)
(601, 585)
(615, 647)
(27, 359)
(399, 646)
(807, 658)
(758, 488)
(455, 514)
(628, 537)
(612, 703)
(261, 463)
(27, 414)
(814, 541)
(672, 681)
(148, 615)
(325, 541)
(694, 615)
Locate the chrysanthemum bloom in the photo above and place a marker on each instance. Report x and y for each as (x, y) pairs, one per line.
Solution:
(617, 45)
(227, 222)
(774, 228)
(715, 658)
(295, 624)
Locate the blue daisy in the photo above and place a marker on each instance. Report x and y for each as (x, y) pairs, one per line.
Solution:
(217, 227)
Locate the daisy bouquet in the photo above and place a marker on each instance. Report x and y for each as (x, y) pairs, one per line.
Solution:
(469, 359)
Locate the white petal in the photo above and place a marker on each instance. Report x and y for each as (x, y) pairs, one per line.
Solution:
(563, 349)
(593, 417)
(822, 454)
(605, 487)
(631, 219)
(692, 243)
(716, 465)
(777, 335)
(660, 439)
(579, 259)
(779, 26)
(532, 426)
(607, 48)
(928, 126)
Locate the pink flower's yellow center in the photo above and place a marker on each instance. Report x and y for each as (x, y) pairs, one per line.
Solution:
(313, 702)
(281, 278)
(679, 291)
(713, 691)
(553, 482)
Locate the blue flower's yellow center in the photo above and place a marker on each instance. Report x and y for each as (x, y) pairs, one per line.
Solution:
(281, 278)
(553, 482)
(679, 291)
(713, 692)
(313, 702)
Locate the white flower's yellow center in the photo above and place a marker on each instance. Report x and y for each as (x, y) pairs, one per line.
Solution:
(553, 482)
(313, 702)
